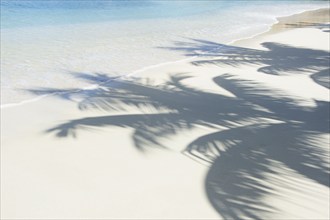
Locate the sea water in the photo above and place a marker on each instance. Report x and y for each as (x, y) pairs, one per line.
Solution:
(45, 43)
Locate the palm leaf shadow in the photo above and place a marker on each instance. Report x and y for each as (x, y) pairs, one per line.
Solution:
(173, 107)
(275, 59)
(184, 107)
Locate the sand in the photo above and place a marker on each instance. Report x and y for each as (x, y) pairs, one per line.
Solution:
(242, 131)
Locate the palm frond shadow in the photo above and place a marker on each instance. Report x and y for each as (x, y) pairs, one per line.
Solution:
(184, 108)
(275, 59)
(246, 149)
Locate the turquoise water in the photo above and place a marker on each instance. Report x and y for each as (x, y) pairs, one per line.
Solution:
(39, 13)
(43, 42)
(24, 13)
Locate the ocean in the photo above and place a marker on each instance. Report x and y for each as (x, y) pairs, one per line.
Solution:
(45, 43)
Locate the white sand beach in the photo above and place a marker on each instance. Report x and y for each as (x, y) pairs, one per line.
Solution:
(239, 132)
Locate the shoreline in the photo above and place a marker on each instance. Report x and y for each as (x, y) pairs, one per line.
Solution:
(273, 29)
(270, 30)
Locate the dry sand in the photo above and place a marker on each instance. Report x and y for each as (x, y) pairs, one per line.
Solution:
(240, 132)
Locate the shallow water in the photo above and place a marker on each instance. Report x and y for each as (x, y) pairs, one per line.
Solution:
(44, 43)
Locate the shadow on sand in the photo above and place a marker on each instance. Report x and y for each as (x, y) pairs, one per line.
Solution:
(265, 130)
(321, 26)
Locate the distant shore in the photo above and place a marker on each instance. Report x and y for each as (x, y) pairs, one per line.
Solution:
(313, 18)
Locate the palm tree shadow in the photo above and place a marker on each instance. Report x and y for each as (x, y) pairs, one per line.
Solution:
(245, 151)
(243, 158)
